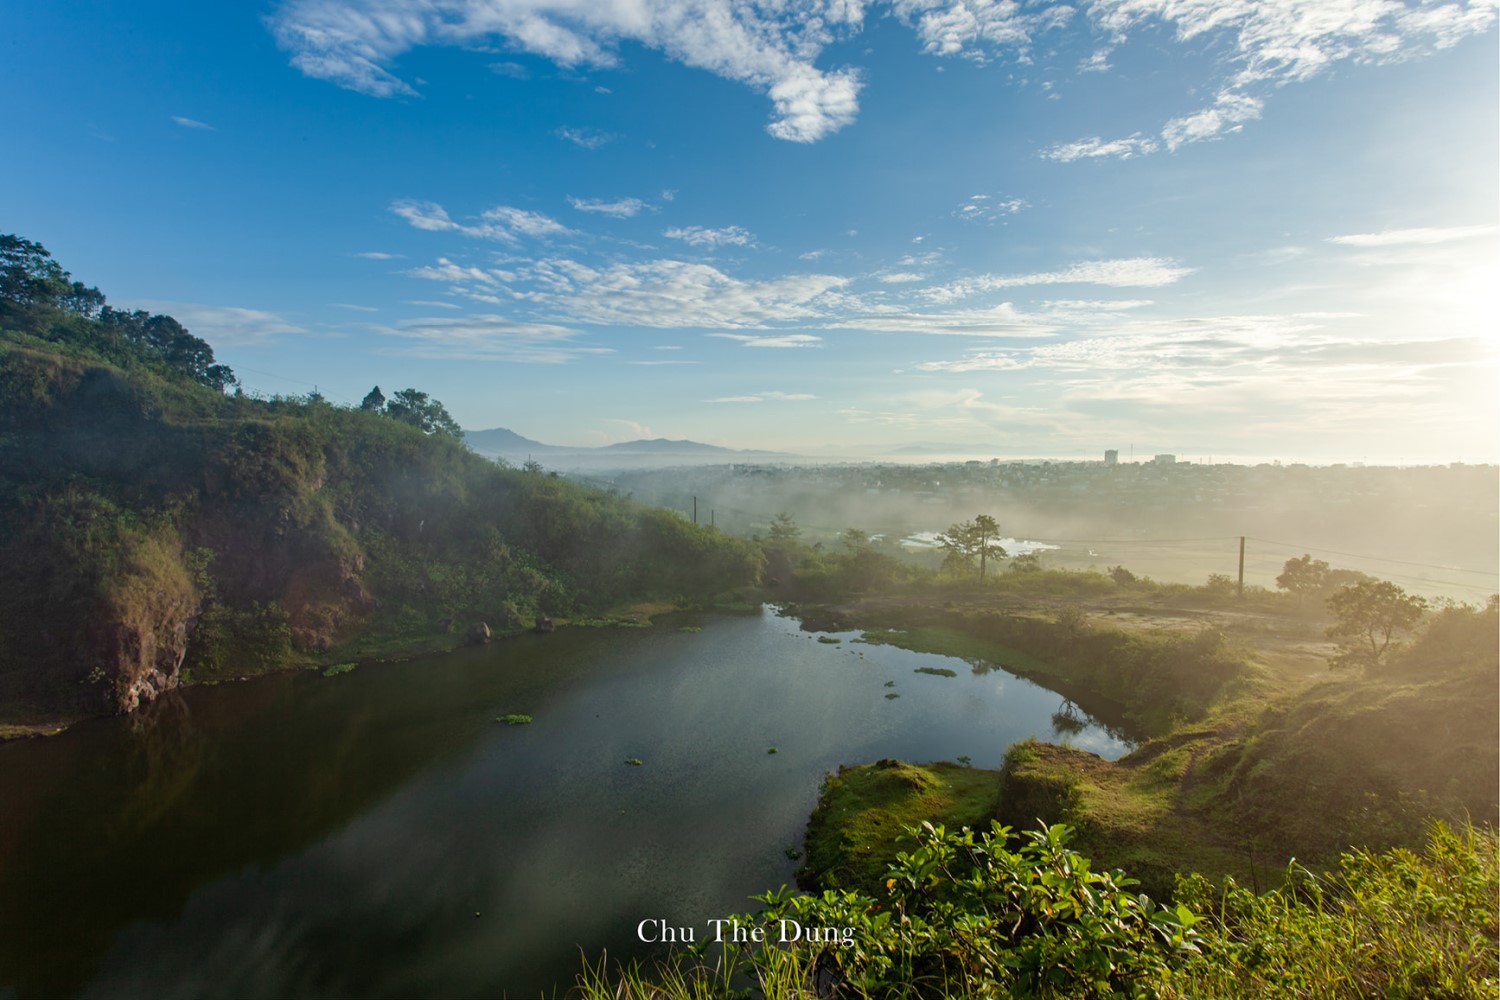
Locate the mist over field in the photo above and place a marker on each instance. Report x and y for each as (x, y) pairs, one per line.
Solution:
(1434, 529)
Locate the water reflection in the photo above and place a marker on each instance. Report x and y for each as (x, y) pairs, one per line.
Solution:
(379, 833)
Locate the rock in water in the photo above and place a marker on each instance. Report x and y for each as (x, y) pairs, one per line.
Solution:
(479, 634)
(544, 624)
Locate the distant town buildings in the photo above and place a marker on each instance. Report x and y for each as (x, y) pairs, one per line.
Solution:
(1112, 456)
(1165, 460)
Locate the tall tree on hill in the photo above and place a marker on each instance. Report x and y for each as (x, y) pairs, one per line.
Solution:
(423, 412)
(374, 400)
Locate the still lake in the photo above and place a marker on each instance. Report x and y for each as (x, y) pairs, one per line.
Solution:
(380, 833)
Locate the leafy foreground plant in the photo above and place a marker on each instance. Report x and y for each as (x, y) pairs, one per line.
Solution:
(968, 917)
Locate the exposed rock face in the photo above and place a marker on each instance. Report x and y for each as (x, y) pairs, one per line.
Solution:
(479, 634)
(141, 656)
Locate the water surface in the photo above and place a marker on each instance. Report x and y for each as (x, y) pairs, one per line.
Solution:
(379, 833)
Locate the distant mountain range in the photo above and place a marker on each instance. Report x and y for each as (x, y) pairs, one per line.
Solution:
(505, 443)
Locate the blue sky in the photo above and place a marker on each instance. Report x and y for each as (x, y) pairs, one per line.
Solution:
(1229, 228)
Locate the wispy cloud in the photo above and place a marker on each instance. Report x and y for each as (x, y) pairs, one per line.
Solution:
(700, 236)
(503, 222)
(379, 255)
(668, 294)
(585, 138)
(193, 123)
(514, 70)
(490, 338)
(988, 208)
(1268, 44)
(1096, 148)
(772, 340)
(771, 48)
(1130, 272)
(762, 397)
(623, 208)
(1424, 236)
(976, 30)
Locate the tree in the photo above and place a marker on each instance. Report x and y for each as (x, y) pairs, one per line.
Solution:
(856, 540)
(28, 274)
(1369, 616)
(784, 529)
(969, 541)
(1307, 577)
(424, 413)
(374, 400)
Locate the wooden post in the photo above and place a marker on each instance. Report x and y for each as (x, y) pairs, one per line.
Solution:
(1242, 567)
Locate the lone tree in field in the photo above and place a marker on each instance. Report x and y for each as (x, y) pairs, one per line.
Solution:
(1303, 576)
(784, 529)
(969, 541)
(1370, 614)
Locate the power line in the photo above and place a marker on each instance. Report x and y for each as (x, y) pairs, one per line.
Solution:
(1356, 555)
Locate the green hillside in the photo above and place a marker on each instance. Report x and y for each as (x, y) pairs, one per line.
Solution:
(160, 526)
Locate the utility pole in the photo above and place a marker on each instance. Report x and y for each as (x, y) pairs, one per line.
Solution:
(710, 517)
(695, 510)
(1242, 568)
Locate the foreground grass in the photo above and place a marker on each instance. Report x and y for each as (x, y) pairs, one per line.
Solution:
(964, 916)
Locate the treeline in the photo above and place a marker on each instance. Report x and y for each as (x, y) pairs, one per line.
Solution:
(155, 525)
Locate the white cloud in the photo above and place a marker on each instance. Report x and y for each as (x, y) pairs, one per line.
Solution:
(770, 47)
(761, 397)
(1095, 147)
(355, 308)
(623, 208)
(773, 340)
(379, 255)
(192, 123)
(699, 236)
(1424, 236)
(984, 208)
(1228, 114)
(446, 270)
(489, 338)
(1130, 272)
(514, 70)
(1269, 43)
(971, 28)
(667, 294)
(1096, 63)
(502, 223)
(900, 277)
(584, 138)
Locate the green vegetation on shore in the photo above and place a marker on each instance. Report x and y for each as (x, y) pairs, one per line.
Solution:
(863, 810)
